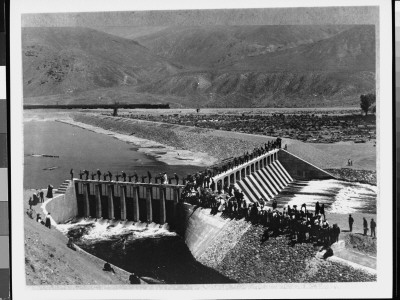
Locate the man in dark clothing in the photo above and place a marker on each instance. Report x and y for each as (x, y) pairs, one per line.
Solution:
(274, 204)
(149, 176)
(49, 191)
(336, 233)
(365, 225)
(110, 175)
(134, 279)
(107, 268)
(317, 208)
(373, 226)
(123, 175)
(322, 210)
(72, 173)
(48, 222)
(98, 174)
(351, 221)
(212, 185)
(176, 178)
(86, 172)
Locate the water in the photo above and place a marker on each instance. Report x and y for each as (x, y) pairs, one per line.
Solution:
(151, 251)
(81, 149)
(338, 196)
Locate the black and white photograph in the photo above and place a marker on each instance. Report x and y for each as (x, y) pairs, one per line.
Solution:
(198, 149)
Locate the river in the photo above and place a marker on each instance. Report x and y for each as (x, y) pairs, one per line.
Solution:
(79, 149)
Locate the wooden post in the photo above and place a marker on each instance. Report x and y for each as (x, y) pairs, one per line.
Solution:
(149, 208)
(163, 213)
(123, 202)
(135, 204)
(110, 202)
(98, 201)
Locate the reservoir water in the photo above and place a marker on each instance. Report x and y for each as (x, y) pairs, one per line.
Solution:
(79, 149)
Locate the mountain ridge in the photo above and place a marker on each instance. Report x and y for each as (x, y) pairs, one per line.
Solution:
(217, 66)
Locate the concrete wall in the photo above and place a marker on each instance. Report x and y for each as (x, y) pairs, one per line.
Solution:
(63, 207)
(209, 237)
(301, 169)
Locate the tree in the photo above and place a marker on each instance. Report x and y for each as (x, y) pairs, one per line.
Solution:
(366, 101)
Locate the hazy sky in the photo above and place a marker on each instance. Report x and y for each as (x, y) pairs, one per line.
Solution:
(264, 16)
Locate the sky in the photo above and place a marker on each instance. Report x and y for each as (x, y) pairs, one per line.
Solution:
(261, 16)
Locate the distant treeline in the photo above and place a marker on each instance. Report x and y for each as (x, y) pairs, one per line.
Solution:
(94, 106)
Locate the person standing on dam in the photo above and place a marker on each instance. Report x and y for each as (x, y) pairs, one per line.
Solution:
(123, 175)
(117, 177)
(351, 221)
(149, 176)
(165, 178)
(365, 225)
(49, 191)
(48, 221)
(373, 226)
(110, 175)
(72, 173)
(176, 178)
(98, 174)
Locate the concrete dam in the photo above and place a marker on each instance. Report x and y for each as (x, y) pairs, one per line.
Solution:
(263, 176)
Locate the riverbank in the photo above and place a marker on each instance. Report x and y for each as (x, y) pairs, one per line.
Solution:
(347, 174)
(219, 144)
(48, 260)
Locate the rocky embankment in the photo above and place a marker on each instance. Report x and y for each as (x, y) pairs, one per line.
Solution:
(218, 144)
(215, 143)
(362, 176)
(48, 260)
(276, 260)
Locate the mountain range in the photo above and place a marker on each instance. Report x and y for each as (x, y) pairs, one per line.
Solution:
(214, 66)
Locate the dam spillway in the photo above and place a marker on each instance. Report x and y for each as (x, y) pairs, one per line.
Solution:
(144, 202)
(263, 176)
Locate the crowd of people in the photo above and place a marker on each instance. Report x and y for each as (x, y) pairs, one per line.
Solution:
(302, 224)
(199, 179)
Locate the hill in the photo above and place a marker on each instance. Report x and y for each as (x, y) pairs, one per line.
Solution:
(48, 260)
(215, 66)
(329, 72)
(219, 46)
(71, 60)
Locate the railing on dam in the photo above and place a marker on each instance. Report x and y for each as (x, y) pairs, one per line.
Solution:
(239, 172)
(145, 202)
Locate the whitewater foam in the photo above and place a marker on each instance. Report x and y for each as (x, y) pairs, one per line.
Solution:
(338, 196)
(104, 229)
